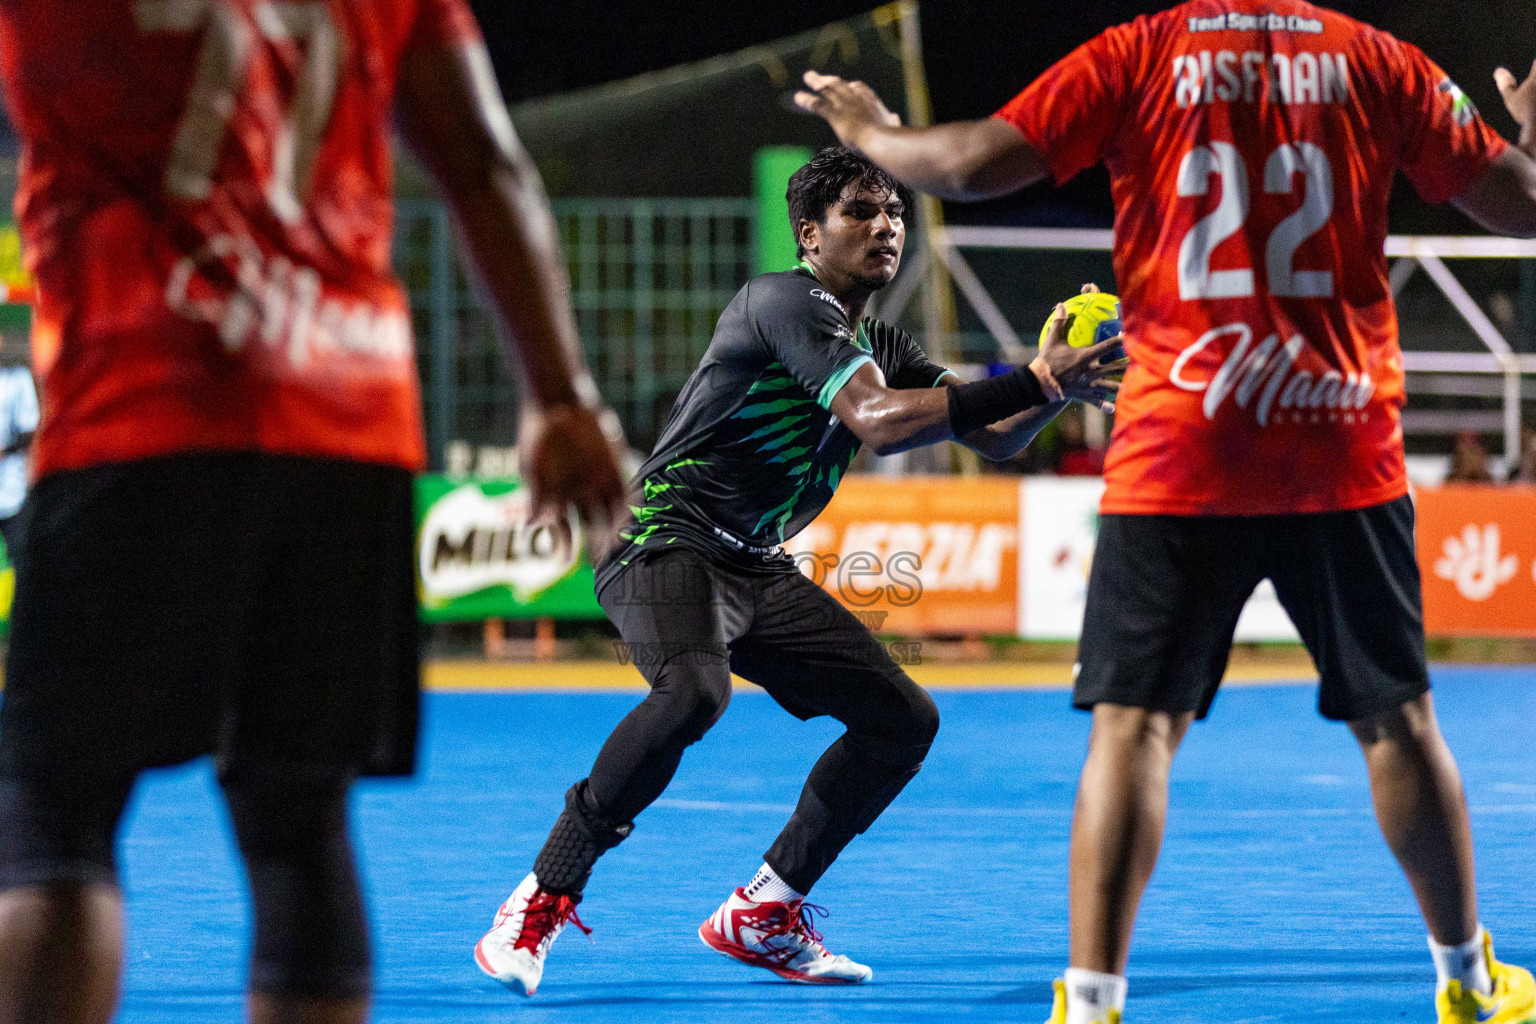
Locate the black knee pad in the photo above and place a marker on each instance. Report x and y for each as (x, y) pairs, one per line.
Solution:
(579, 837)
(311, 936)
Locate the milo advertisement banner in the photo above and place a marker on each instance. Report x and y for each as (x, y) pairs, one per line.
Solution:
(478, 557)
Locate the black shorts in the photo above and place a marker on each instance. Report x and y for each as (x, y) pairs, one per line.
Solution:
(1165, 593)
(260, 608)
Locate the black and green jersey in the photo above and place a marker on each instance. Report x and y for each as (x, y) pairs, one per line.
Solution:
(752, 452)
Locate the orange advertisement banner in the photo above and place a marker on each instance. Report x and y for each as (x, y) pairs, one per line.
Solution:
(1477, 556)
(919, 555)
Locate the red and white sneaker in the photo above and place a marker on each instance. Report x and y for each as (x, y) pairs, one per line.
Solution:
(778, 936)
(527, 924)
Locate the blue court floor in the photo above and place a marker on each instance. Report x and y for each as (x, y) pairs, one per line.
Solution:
(1276, 899)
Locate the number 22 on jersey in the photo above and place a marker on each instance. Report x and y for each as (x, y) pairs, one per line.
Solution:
(1196, 278)
(223, 66)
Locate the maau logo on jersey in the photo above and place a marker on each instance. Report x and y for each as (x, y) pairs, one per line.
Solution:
(829, 297)
(1463, 110)
(1265, 376)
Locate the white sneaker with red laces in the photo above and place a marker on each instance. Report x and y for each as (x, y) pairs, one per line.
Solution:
(778, 936)
(513, 951)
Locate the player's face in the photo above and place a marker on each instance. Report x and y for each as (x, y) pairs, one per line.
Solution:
(863, 235)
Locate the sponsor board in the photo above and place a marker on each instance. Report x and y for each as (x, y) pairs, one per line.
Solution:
(17, 284)
(7, 589)
(1477, 558)
(1058, 524)
(1058, 520)
(478, 557)
(916, 556)
(919, 555)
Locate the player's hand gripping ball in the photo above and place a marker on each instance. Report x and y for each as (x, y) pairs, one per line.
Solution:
(1095, 318)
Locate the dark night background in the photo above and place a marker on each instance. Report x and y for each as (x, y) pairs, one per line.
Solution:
(978, 54)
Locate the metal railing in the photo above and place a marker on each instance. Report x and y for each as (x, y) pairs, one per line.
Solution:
(649, 278)
(1409, 253)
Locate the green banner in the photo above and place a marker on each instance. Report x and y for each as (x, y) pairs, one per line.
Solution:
(477, 556)
(771, 169)
(7, 590)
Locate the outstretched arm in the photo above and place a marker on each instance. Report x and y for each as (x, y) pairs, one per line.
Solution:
(892, 420)
(964, 160)
(1006, 439)
(1503, 200)
(450, 112)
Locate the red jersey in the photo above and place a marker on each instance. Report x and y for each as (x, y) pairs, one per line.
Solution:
(1251, 145)
(205, 197)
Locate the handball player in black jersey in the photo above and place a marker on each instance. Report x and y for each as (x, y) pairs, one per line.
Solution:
(794, 381)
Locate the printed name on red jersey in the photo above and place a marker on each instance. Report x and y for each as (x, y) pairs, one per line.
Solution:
(1227, 77)
(1235, 22)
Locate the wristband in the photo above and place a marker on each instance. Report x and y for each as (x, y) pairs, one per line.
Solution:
(984, 402)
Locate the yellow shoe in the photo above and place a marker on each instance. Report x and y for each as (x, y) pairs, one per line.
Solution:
(1058, 1002)
(1513, 1000)
(1059, 1005)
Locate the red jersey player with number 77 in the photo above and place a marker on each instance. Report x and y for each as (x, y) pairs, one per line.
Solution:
(218, 554)
(1251, 148)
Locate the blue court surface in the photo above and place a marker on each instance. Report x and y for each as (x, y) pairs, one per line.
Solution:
(1276, 899)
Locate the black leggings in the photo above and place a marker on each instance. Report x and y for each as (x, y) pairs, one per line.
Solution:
(687, 625)
(311, 936)
(311, 931)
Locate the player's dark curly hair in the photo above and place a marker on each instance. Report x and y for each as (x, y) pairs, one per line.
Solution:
(819, 184)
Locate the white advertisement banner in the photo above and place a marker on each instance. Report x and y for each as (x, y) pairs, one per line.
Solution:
(1058, 522)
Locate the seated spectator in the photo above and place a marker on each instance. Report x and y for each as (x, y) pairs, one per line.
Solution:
(1469, 460)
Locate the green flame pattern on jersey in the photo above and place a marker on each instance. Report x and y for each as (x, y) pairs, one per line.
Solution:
(794, 418)
(645, 515)
(752, 452)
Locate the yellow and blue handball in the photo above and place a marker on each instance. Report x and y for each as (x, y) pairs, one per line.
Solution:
(1095, 318)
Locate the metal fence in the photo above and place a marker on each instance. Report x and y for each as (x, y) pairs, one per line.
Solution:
(649, 278)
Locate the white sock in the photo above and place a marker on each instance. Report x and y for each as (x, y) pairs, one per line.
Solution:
(767, 887)
(1091, 995)
(1466, 963)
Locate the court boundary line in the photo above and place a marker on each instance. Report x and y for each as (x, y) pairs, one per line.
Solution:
(477, 676)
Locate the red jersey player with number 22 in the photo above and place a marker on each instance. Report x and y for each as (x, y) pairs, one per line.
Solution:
(1251, 148)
